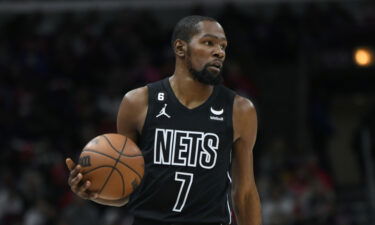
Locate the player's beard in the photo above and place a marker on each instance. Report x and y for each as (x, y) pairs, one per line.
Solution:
(204, 76)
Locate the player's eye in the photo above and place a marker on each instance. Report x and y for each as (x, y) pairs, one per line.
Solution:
(208, 43)
(223, 47)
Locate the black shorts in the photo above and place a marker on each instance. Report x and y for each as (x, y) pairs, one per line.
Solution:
(141, 221)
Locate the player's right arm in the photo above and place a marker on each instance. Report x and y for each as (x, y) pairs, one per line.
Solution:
(132, 113)
(130, 119)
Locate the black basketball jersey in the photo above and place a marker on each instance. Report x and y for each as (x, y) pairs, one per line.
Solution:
(187, 158)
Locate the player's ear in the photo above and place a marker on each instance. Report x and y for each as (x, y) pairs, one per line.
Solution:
(180, 48)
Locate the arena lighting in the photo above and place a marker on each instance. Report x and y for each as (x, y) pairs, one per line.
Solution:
(363, 57)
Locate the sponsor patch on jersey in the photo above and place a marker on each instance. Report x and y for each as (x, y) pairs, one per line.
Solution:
(216, 114)
(218, 118)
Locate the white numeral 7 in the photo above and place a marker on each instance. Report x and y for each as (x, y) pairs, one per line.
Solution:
(186, 180)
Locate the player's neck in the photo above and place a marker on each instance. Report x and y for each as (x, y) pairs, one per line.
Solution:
(191, 93)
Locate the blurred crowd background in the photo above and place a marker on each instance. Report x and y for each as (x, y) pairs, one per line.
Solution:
(64, 72)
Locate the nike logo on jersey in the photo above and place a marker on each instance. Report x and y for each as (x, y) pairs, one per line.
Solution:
(185, 148)
(163, 112)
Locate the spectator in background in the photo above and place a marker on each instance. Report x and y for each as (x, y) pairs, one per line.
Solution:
(11, 203)
(79, 213)
(241, 83)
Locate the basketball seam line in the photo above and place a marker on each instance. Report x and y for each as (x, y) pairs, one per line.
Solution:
(113, 147)
(117, 160)
(100, 153)
(122, 150)
(114, 168)
(89, 171)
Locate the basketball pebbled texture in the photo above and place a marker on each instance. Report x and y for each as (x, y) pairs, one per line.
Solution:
(113, 164)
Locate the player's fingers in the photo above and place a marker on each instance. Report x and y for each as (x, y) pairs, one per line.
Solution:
(75, 180)
(84, 192)
(84, 195)
(85, 186)
(73, 177)
(75, 171)
(94, 195)
(70, 164)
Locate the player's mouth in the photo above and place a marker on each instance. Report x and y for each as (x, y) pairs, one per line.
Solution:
(216, 65)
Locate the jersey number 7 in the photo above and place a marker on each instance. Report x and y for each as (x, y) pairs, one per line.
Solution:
(186, 180)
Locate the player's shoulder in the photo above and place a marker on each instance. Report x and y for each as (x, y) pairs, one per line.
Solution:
(137, 93)
(140, 95)
(243, 106)
(136, 98)
(244, 116)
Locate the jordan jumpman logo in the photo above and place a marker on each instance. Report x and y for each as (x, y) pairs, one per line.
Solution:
(162, 112)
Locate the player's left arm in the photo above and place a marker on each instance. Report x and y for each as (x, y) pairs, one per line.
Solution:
(245, 196)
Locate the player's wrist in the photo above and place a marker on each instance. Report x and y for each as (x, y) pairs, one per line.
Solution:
(116, 203)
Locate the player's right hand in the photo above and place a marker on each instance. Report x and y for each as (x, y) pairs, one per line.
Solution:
(76, 183)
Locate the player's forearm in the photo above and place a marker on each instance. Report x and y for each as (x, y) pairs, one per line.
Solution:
(247, 208)
(116, 203)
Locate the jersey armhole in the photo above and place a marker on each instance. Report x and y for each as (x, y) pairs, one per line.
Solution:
(149, 106)
(231, 123)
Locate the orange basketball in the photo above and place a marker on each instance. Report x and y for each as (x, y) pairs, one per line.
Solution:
(113, 164)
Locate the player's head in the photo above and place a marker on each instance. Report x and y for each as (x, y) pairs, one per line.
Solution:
(200, 43)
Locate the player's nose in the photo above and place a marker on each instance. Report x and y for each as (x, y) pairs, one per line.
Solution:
(219, 53)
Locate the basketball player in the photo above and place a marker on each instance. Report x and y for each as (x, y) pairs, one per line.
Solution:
(196, 137)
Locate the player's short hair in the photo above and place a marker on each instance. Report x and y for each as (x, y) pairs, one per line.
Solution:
(187, 27)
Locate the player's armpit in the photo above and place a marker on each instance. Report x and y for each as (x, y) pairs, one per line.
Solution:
(132, 113)
(244, 192)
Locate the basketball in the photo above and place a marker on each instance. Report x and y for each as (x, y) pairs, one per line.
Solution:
(113, 164)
